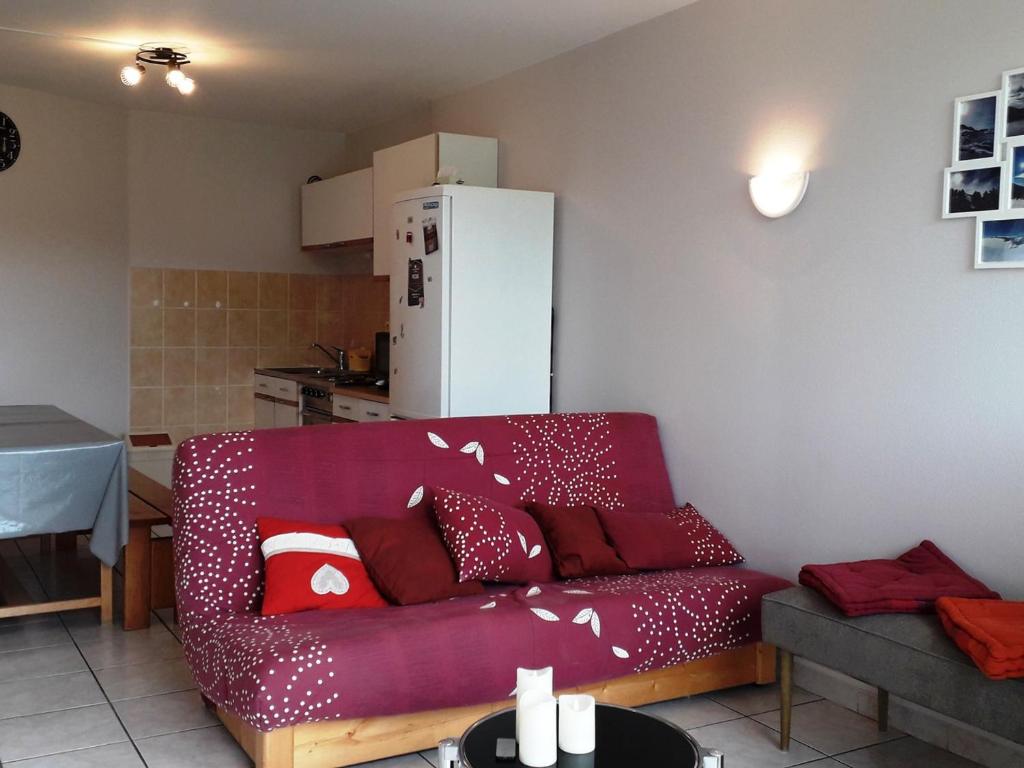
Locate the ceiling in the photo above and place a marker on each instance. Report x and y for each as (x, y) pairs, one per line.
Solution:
(327, 64)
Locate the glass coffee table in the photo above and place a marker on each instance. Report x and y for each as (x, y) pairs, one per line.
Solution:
(625, 738)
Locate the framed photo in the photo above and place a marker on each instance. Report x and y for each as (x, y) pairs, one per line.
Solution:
(1012, 120)
(999, 241)
(977, 134)
(1013, 186)
(972, 191)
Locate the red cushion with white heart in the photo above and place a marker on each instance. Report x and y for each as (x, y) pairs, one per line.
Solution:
(490, 541)
(311, 566)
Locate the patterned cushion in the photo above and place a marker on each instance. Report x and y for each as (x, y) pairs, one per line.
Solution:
(490, 541)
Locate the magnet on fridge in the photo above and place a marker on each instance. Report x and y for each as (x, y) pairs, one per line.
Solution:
(408, 237)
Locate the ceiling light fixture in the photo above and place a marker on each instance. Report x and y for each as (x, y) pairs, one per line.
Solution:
(165, 55)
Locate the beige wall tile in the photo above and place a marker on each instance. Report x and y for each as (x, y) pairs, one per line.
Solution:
(179, 406)
(211, 327)
(179, 327)
(330, 293)
(242, 327)
(243, 290)
(179, 288)
(330, 328)
(180, 434)
(147, 367)
(212, 405)
(273, 328)
(241, 361)
(147, 327)
(302, 292)
(240, 405)
(211, 366)
(147, 287)
(278, 357)
(301, 328)
(179, 366)
(147, 407)
(209, 429)
(211, 289)
(273, 290)
(241, 427)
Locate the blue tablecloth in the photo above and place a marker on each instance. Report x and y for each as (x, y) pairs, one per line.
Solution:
(59, 474)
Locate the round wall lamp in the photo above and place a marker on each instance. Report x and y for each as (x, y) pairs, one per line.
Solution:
(776, 194)
(173, 57)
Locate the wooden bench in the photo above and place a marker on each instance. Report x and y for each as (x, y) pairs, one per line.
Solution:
(146, 586)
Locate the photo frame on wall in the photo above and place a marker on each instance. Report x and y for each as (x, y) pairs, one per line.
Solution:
(972, 191)
(999, 241)
(1012, 119)
(1013, 181)
(977, 132)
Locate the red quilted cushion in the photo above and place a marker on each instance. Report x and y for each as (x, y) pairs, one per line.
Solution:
(909, 584)
(578, 544)
(407, 560)
(311, 566)
(678, 538)
(490, 541)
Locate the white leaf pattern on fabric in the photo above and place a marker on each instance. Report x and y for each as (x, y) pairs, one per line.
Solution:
(595, 624)
(533, 591)
(583, 616)
(491, 604)
(436, 440)
(534, 552)
(416, 498)
(542, 613)
(480, 454)
(620, 652)
(329, 579)
(501, 479)
(576, 592)
(469, 447)
(514, 692)
(522, 540)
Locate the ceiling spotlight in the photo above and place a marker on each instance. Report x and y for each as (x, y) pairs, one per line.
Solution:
(186, 86)
(132, 74)
(174, 77)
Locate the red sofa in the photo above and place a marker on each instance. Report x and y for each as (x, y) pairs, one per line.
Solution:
(333, 688)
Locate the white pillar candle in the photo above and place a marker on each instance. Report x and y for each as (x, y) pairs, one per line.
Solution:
(576, 714)
(538, 743)
(532, 680)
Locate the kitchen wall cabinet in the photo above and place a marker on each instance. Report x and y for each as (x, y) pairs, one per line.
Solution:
(338, 211)
(414, 164)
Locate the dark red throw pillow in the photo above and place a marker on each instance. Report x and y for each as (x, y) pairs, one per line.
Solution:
(490, 541)
(309, 566)
(578, 544)
(407, 560)
(677, 538)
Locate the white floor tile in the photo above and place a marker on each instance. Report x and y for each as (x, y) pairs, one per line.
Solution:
(692, 712)
(163, 714)
(148, 679)
(40, 662)
(748, 744)
(907, 752)
(136, 647)
(204, 748)
(755, 699)
(36, 695)
(111, 756)
(830, 728)
(38, 735)
(39, 634)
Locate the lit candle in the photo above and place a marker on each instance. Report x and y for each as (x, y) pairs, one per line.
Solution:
(538, 743)
(576, 723)
(532, 680)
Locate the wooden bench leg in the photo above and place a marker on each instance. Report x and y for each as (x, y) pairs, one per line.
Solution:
(106, 594)
(785, 697)
(137, 578)
(275, 749)
(883, 710)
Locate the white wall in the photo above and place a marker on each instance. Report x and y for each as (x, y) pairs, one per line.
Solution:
(836, 384)
(218, 194)
(63, 260)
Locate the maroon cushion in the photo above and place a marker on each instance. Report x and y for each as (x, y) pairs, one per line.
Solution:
(578, 544)
(407, 560)
(489, 540)
(678, 538)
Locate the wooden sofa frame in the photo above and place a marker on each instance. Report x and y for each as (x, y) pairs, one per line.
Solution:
(334, 743)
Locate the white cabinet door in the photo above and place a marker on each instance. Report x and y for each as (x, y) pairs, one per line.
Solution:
(264, 413)
(338, 210)
(286, 415)
(406, 166)
(476, 157)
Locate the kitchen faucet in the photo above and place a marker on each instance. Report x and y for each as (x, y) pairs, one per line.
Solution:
(338, 359)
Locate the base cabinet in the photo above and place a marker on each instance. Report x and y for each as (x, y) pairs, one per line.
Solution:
(264, 413)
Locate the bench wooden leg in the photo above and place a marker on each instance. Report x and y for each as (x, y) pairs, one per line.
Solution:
(106, 594)
(883, 710)
(765, 663)
(785, 697)
(137, 578)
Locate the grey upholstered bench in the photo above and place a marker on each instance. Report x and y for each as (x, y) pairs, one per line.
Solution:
(908, 655)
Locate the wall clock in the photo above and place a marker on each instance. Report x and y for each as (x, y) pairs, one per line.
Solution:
(10, 142)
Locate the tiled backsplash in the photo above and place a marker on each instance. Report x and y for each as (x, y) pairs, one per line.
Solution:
(197, 335)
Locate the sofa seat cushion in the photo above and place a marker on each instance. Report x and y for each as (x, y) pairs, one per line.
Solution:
(280, 670)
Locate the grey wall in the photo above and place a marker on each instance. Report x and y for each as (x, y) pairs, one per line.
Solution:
(836, 384)
(63, 260)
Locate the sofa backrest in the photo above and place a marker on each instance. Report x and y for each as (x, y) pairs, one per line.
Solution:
(223, 482)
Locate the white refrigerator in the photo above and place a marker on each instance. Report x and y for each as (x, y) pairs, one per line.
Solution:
(471, 272)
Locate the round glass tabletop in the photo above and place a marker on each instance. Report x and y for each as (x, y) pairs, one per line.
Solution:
(625, 738)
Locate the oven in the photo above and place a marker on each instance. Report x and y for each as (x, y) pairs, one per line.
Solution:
(317, 404)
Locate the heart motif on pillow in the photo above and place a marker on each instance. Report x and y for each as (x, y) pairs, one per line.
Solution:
(329, 579)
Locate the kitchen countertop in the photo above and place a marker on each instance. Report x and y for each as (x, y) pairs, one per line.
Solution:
(361, 392)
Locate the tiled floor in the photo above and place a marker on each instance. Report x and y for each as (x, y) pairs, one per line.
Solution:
(75, 694)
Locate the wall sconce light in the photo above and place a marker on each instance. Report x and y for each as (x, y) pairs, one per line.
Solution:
(776, 194)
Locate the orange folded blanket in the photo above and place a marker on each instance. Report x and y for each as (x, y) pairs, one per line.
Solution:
(991, 632)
